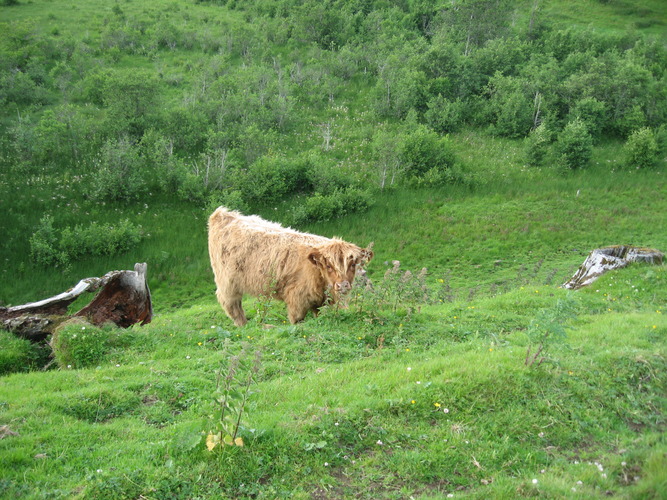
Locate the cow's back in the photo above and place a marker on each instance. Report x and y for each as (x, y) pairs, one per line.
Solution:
(252, 255)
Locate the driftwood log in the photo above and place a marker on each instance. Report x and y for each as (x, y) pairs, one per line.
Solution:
(122, 298)
(605, 259)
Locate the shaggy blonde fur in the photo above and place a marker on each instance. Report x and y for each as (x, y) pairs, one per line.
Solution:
(250, 255)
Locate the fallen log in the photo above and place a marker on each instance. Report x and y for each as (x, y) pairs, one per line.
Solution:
(123, 298)
(601, 260)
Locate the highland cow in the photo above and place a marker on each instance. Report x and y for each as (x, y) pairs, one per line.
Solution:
(250, 255)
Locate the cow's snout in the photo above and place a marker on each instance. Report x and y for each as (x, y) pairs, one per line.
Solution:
(342, 286)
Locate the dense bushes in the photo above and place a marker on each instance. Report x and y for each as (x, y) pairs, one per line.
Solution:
(271, 178)
(424, 152)
(239, 121)
(51, 247)
(319, 207)
(118, 173)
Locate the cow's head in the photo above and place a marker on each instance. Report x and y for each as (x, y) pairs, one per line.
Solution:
(338, 263)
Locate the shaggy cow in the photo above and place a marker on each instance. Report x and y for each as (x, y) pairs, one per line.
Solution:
(250, 255)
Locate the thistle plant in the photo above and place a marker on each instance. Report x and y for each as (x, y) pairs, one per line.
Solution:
(232, 391)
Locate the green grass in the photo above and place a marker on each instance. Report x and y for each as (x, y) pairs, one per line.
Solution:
(353, 403)
(615, 15)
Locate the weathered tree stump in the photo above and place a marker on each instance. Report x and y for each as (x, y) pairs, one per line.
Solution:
(601, 260)
(123, 298)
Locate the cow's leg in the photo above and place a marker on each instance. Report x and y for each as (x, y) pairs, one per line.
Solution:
(296, 312)
(231, 303)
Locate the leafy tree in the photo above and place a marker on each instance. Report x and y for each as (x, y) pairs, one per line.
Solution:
(537, 144)
(398, 90)
(272, 177)
(514, 116)
(592, 112)
(386, 153)
(166, 170)
(19, 88)
(50, 139)
(575, 145)
(186, 128)
(513, 110)
(443, 115)
(324, 23)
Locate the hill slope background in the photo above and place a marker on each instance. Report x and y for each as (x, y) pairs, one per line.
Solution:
(495, 154)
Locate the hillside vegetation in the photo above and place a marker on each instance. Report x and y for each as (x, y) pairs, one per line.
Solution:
(483, 146)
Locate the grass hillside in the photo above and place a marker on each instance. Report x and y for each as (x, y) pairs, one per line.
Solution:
(420, 388)
(483, 159)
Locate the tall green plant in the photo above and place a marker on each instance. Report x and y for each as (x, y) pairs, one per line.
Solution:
(232, 391)
(548, 328)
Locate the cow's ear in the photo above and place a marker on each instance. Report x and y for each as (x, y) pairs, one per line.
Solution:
(315, 257)
(366, 254)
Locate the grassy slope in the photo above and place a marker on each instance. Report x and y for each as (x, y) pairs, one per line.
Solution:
(648, 17)
(333, 387)
(353, 403)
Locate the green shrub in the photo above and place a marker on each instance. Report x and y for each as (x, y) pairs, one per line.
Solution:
(324, 176)
(167, 170)
(48, 248)
(44, 249)
(398, 90)
(592, 112)
(423, 150)
(230, 198)
(118, 172)
(271, 178)
(17, 87)
(575, 145)
(191, 189)
(320, 207)
(99, 239)
(317, 207)
(77, 344)
(17, 354)
(444, 115)
(514, 116)
(641, 149)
